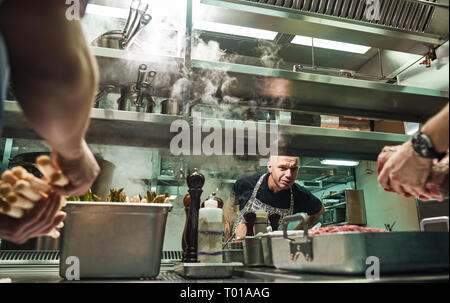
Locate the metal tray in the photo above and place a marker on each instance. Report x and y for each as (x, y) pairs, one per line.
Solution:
(114, 240)
(206, 270)
(347, 252)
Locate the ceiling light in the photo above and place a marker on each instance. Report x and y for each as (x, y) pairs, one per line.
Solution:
(234, 30)
(108, 11)
(339, 162)
(329, 44)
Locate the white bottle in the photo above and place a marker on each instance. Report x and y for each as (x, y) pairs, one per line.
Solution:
(210, 230)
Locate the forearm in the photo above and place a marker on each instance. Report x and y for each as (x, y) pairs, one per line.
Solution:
(54, 75)
(437, 129)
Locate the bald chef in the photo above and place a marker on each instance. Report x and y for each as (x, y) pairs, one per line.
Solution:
(275, 192)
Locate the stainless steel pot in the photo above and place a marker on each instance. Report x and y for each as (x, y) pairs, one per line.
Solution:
(170, 107)
(253, 251)
(111, 39)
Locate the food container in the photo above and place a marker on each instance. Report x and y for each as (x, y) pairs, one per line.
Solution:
(253, 251)
(233, 253)
(114, 240)
(354, 252)
(266, 241)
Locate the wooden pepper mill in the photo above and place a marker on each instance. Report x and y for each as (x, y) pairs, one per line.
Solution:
(187, 203)
(250, 219)
(195, 182)
(274, 220)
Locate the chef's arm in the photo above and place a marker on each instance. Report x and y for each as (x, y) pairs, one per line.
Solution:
(311, 219)
(230, 216)
(437, 129)
(54, 75)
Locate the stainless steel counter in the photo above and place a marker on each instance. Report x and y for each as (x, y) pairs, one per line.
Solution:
(49, 274)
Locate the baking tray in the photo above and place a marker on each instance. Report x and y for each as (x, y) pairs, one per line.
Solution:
(206, 270)
(114, 240)
(347, 252)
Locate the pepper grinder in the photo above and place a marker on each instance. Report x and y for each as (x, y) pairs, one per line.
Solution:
(195, 182)
(250, 219)
(187, 203)
(274, 220)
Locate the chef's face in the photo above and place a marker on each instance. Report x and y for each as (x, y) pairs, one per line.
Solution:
(283, 170)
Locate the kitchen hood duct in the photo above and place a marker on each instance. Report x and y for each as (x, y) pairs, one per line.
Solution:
(401, 25)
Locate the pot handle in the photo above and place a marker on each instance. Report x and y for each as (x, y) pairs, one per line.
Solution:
(302, 217)
(433, 220)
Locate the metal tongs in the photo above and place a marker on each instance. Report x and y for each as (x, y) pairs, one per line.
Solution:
(137, 20)
(304, 244)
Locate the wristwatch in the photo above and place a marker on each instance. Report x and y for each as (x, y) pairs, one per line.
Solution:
(423, 146)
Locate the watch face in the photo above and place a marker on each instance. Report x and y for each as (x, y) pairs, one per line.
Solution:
(422, 146)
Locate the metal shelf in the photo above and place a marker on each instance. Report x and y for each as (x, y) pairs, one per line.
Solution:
(276, 89)
(114, 127)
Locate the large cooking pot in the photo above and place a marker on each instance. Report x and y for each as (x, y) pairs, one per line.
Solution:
(100, 187)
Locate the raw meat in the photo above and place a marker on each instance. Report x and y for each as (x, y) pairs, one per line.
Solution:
(344, 228)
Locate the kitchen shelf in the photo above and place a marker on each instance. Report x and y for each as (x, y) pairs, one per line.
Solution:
(125, 128)
(326, 25)
(276, 89)
(134, 56)
(335, 205)
(119, 67)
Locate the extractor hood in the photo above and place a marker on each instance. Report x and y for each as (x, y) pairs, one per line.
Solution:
(411, 26)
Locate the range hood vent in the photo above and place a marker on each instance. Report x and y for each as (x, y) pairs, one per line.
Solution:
(401, 14)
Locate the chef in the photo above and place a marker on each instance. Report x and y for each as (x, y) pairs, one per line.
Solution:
(275, 192)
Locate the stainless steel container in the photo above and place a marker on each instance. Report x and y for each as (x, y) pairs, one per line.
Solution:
(354, 252)
(266, 241)
(114, 240)
(253, 251)
(233, 253)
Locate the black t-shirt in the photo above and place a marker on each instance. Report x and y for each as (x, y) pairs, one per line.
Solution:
(304, 200)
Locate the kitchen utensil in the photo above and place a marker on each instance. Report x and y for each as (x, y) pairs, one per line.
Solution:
(137, 96)
(111, 39)
(233, 253)
(131, 15)
(143, 22)
(170, 107)
(103, 93)
(141, 10)
(347, 252)
(433, 220)
(114, 240)
(253, 251)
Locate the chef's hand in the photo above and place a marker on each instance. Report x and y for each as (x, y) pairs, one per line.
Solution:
(406, 173)
(39, 221)
(81, 171)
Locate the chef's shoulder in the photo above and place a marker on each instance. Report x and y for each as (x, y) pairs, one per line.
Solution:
(305, 195)
(246, 181)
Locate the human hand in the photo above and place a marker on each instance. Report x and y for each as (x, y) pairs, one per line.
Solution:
(404, 172)
(81, 172)
(437, 183)
(39, 221)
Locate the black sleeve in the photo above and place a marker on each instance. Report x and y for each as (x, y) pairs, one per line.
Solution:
(308, 202)
(242, 190)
